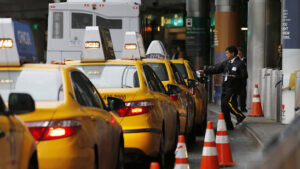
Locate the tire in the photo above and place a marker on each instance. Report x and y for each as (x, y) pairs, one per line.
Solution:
(203, 125)
(162, 154)
(120, 164)
(33, 163)
(96, 164)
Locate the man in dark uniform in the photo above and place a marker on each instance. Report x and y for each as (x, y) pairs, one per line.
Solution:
(233, 71)
(243, 90)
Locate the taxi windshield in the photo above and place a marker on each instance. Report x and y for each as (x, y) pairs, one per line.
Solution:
(42, 85)
(112, 76)
(182, 69)
(160, 70)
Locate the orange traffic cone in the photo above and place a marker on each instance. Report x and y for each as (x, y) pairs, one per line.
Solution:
(256, 105)
(181, 155)
(154, 165)
(209, 155)
(222, 142)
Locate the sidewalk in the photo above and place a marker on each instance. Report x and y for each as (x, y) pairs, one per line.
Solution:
(259, 129)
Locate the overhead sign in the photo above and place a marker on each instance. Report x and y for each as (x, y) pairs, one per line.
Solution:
(24, 42)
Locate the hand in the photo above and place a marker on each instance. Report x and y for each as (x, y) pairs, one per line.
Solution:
(200, 71)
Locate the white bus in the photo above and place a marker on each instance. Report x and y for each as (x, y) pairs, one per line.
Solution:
(67, 22)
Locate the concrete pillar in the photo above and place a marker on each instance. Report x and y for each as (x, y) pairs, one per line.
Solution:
(255, 44)
(291, 55)
(272, 35)
(228, 27)
(197, 32)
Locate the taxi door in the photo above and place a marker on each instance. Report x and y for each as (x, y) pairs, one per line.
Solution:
(5, 142)
(169, 113)
(99, 119)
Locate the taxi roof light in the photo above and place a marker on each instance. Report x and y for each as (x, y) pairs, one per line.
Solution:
(156, 49)
(92, 44)
(133, 46)
(6, 43)
(130, 46)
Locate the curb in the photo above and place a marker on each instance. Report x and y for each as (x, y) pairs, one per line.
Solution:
(252, 135)
(248, 131)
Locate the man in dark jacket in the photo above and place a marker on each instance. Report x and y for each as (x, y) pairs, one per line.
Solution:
(233, 71)
(243, 89)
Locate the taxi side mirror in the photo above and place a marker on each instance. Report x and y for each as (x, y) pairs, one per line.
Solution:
(115, 103)
(20, 103)
(192, 83)
(173, 89)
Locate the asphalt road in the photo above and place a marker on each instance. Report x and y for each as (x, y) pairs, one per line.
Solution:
(244, 151)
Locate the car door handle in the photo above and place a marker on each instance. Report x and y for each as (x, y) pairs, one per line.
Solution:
(2, 134)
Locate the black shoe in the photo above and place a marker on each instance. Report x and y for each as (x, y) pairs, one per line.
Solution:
(244, 110)
(230, 128)
(240, 119)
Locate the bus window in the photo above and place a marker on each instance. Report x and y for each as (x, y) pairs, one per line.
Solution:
(58, 25)
(109, 23)
(81, 20)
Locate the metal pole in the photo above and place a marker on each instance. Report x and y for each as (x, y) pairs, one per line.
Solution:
(267, 94)
(279, 96)
(262, 84)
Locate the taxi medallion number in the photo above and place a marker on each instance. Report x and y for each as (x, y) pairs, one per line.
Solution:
(6, 43)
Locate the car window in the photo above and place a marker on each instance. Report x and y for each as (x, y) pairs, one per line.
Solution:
(42, 85)
(81, 20)
(161, 70)
(85, 93)
(112, 76)
(182, 69)
(192, 69)
(179, 79)
(109, 23)
(152, 80)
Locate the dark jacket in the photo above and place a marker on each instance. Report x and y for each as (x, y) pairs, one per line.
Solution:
(236, 68)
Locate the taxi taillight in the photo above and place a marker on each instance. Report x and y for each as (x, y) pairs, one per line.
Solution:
(192, 90)
(53, 129)
(135, 108)
(174, 97)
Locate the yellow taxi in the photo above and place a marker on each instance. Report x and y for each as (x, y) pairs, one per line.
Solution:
(17, 146)
(197, 90)
(150, 120)
(169, 75)
(71, 125)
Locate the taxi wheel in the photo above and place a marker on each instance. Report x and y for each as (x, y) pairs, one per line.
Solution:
(33, 163)
(96, 166)
(162, 154)
(120, 164)
(203, 125)
(177, 133)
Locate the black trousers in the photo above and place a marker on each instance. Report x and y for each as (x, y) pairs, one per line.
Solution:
(242, 97)
(229, 105)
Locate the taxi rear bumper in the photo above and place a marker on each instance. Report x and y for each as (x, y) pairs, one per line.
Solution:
(144, 141)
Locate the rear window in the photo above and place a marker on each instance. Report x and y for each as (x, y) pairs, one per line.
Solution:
(182, 69)
(42, 85)
(112, 76)
(161, 70)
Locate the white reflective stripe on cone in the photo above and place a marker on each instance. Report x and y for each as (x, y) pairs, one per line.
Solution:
(255, 91)
(221, 125)
(182, 166)
(209, 151)
(255, 99)
(209, 135)
(222, 139)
